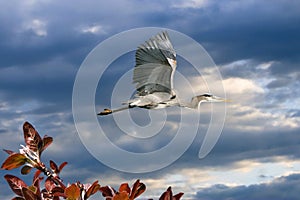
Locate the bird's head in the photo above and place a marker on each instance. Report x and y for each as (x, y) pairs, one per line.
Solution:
(208, 98)
(212, 98)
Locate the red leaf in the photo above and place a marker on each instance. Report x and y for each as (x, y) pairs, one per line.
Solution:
(32, 138)
(137, 189)
(107, 191)
(121, 196)
(124, 187)
(36, 182)
(15, 183)
(92, 190)
(18, 198)
(72, 192)
(168, 195)
(32, 188)
(14, 161)
(46, 142)
(29, 194)
(25, 170)
(8, 151)
(58, 192)
(36, 175)
(165, 196)
(56, 196)
(62, 166)
(49, 185)
(54, 167)
(178, 196)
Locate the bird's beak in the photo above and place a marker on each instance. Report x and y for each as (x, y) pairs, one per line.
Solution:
(227, 100)
(219, 99)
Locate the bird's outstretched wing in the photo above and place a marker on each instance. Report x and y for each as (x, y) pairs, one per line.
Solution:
(155, 65)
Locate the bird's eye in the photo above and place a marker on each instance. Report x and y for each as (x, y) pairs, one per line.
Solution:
(207, 95)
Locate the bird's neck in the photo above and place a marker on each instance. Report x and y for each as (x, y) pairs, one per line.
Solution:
(195, 102)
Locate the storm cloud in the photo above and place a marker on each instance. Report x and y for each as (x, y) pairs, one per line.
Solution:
(254, 44)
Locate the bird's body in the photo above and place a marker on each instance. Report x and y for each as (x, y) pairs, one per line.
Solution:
(150, 101)
(153, 75)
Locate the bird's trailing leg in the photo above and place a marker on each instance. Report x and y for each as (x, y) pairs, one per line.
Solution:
(107, 111)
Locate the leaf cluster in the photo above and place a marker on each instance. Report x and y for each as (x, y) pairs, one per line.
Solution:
(29, 157)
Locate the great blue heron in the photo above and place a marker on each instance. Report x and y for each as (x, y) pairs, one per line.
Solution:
(153, 75)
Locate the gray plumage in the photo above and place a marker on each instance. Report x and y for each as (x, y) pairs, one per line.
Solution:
(153, 77)
(153, 71)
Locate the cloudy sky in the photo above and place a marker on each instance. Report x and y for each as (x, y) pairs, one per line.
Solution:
(254, 44)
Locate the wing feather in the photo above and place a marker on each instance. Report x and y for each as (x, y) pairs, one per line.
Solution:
(153, 72)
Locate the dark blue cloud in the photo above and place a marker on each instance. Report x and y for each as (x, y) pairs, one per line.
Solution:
(37, 75)
(285, 67)
(264, 147)
(256, 30)
(285, 187)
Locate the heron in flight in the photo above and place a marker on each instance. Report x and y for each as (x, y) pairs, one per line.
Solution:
(153, 75)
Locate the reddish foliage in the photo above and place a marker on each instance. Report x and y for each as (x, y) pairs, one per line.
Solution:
(26, 170)
(15, 184)
(168, 195)
(54, 188)
(125, 192)
(32, 138)
(72, 192)
(13, 161)
(92, 190)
